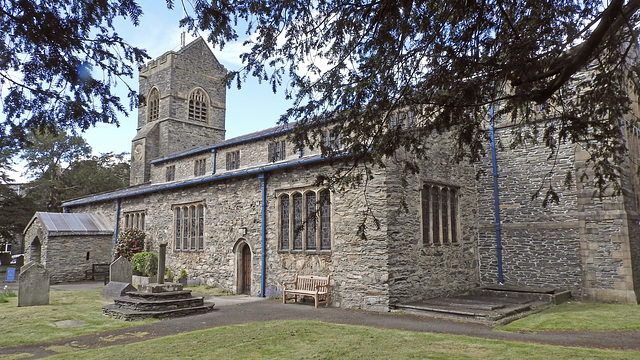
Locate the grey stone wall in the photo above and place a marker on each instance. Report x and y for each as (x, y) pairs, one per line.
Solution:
(184, 167)
(254, 153)
(418, 270)
(580, 244)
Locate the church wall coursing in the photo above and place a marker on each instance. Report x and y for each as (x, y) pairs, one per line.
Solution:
(417, 270)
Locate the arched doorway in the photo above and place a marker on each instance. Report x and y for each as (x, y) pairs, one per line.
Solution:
(36, 250)
(243, 255)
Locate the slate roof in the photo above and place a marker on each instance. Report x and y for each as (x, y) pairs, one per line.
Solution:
(61, 224)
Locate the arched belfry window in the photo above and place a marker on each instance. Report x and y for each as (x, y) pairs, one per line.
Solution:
(154, 104)
(198, 104)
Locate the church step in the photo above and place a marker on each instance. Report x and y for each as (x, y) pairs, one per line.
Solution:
(132, 315)
(550, 295)
(157, 304)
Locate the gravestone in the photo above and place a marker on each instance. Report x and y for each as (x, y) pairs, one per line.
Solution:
(120, 274)
(33, 286)
(120, 270)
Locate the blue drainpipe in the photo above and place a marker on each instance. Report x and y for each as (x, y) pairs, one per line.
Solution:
(115, 233)
(263, 182)
(496, 198)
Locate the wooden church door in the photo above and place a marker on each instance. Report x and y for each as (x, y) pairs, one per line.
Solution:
(246, 269)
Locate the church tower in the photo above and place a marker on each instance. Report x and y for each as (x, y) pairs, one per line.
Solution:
(185, 94)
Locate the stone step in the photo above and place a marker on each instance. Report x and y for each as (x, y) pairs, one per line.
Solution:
(132, 315)
(494, 316)
(180, 294)
(550, 295)
(157, 304)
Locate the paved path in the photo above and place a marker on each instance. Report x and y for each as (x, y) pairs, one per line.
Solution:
(242, 309)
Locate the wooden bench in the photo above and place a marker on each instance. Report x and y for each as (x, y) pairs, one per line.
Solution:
(308, 285)
(98, 271)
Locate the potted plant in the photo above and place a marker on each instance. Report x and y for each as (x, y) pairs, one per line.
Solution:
(168, 276)
(145, 266)
(183, 277)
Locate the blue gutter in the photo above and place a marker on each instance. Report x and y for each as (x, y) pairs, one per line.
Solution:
(263, 182)
(496, 198)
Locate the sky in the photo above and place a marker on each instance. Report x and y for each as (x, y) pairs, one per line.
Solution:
(254, 107)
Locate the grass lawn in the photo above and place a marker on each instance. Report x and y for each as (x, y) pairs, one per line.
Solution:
(318, 340)
(303, 339)
(32, 324)
(580, 316)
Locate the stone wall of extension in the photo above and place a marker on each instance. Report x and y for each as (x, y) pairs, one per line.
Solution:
(68, 257)
(418, 269)
(578, 244)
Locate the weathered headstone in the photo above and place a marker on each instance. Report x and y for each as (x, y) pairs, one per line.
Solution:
(120, 270)
(33, 286)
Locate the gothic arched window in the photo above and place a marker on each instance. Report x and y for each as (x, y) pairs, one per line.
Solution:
(198, 105)
(154, 104)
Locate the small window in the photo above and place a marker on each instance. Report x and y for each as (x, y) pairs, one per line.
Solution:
(198, 105)
(332, 139)
(171, 172)
(189, 227)
(277, 151)
(200, 167)
(154, 104)
(134, 219)
(233, 160)
(401, 120)
(439, 214)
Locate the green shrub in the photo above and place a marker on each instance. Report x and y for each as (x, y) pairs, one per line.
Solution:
(168, 274)
(145, 263)
(183, 274)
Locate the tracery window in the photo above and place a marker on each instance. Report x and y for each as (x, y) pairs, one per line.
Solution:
(198, 105)
(439, 214)
(305, 221)
(189, 227)
(154, 104)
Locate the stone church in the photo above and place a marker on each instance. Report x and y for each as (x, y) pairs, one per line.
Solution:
(246, 213)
